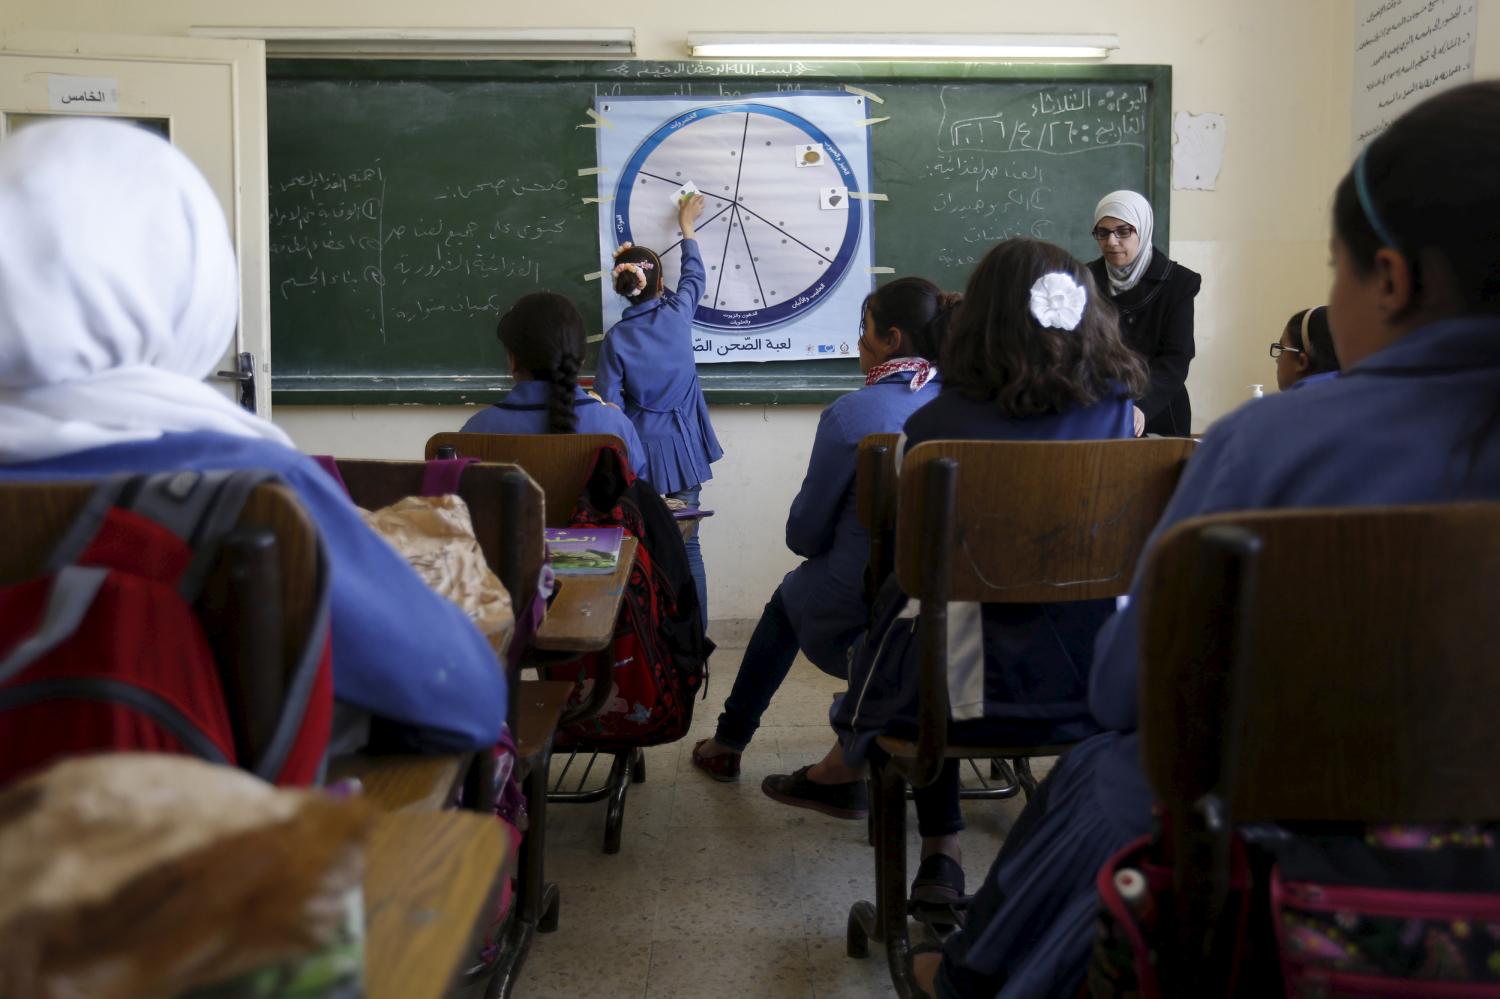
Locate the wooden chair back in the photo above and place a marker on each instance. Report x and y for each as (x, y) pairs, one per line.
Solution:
(258, 606)
(558, 463)
(875, 504)
(1333, 665)
(1336, 664)
(1018, 522)
(504, 503)
(1032, 522)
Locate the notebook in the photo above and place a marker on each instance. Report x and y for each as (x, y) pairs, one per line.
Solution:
(579, 550)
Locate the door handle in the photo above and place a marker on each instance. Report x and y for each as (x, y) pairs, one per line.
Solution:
(245, 377)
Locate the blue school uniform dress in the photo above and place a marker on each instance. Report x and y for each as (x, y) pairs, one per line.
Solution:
(524, 411)
(1416, 423)
(646, 368)
(400, 652)
(1026, 680)
(820, 606)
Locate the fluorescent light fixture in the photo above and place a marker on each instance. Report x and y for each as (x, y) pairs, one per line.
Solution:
(456, 42)
(856, 45)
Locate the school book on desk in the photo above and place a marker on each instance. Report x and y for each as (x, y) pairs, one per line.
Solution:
(576, 550)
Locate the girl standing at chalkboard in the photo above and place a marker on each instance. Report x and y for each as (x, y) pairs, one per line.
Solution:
(646, 368)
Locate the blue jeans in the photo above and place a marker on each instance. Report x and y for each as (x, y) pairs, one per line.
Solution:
(695, 551)
(768, 659)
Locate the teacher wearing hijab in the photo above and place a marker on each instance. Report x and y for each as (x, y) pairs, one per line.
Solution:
(1154, 296)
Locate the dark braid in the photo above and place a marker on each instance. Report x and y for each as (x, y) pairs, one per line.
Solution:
(543, 333)
(561, 417)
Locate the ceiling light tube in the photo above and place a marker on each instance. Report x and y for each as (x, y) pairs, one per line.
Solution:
(742, 45)
(318, 41)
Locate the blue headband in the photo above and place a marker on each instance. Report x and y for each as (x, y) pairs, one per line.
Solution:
(1367, 204)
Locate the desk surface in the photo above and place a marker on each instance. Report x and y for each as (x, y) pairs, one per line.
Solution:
(582, 618)
(399, 783)
(429, 882)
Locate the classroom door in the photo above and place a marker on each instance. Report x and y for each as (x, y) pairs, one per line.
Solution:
(208, 97)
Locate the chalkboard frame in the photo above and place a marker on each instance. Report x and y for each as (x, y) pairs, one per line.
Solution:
(758, 384)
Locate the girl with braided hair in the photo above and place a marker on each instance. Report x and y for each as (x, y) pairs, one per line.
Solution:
(543, 336)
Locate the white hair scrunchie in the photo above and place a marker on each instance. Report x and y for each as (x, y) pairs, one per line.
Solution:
(639, 270)
(1058, 301)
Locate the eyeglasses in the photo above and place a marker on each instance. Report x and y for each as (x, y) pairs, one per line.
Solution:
(1278, 347)
(1122, 233)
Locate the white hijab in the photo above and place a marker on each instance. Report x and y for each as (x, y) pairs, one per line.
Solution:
(1130, 208)
(118, 293)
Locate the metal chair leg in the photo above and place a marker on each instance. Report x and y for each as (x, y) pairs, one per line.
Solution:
(1022, 765)
(619, 785)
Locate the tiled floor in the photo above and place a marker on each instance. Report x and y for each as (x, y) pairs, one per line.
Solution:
(718, 891)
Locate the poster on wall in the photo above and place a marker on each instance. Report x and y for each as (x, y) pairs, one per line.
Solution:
(1404, 52)
(785, 233)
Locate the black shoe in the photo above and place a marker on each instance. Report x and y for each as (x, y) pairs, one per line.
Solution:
(939, 881)
(842, 801)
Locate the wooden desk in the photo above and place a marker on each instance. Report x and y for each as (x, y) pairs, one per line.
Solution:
(405, 783)
(582, 618)
(430, 881)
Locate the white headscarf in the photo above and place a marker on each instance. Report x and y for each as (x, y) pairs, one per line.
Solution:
(1132, 209)
(118, 292)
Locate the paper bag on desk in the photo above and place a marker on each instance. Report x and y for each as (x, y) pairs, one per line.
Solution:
(436, 535)
(138, 874)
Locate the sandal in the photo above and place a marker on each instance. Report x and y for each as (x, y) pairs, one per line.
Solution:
(842, 801)
(724, 768)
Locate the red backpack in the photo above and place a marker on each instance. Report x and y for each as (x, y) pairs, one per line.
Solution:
(656, 663)
(104, 649)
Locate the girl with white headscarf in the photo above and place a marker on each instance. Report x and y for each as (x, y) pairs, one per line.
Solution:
(118, 294)
(1154, 296)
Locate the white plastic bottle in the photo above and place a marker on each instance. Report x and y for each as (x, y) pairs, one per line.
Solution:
(1257, 391)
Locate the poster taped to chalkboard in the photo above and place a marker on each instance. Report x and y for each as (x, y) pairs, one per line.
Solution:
(786, 247)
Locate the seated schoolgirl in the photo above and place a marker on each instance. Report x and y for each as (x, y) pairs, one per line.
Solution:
(544, 339)
(646, 367)
(1305, 354)
(820, 606)
(118, 295)
(1414, 418)
(1033, 354)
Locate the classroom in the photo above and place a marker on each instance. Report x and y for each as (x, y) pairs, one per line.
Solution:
(998, 438)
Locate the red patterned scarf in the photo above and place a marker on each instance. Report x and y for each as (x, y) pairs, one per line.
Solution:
(923, 371)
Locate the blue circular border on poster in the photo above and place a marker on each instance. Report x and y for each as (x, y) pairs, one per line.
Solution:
(744, 322)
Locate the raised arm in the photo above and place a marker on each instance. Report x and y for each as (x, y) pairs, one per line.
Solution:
(693, 279)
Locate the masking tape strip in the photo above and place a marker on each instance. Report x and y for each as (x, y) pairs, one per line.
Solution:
(864, 93)
(588, 124)
(595, 338)
(597, 117)
(596, 275)
(868, 122)
(599, 201)
(867, 196)
(591, 171)
(882, 270)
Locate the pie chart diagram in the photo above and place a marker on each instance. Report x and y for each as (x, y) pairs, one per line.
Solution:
(777, 232)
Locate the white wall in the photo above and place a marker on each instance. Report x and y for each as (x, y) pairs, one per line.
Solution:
(1278, 69)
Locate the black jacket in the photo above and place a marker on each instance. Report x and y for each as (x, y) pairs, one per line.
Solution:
(1156, 318)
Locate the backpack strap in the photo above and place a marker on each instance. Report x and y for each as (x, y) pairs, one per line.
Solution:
(85, 527)
(441, 476)
(198, 507)
(68, 600)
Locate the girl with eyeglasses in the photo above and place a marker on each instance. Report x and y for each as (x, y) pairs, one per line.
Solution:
(1154, 296)
(1305, 353)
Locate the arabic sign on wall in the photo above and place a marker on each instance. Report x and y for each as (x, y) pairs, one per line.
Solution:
(785, 234)
(82, 93)
(1404, 52)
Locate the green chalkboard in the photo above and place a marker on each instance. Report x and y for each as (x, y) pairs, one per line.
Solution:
(412, 201)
